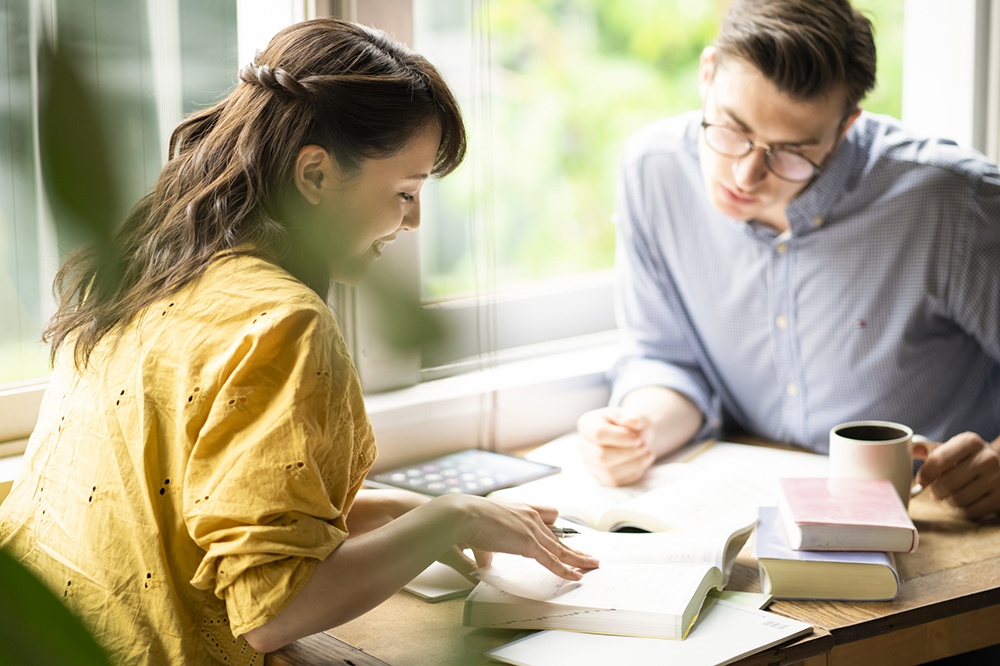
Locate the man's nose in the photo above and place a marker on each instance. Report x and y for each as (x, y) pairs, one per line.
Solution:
(750, 169)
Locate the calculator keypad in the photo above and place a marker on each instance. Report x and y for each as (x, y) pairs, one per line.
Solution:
(472, 472)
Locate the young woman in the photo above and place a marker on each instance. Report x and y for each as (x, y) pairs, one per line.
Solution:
(192, 489)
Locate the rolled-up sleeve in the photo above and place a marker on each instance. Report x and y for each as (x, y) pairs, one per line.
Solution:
(656, 349)
(275, 464)
(975, 291)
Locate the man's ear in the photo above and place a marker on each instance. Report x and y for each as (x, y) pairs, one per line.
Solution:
(313, 166)
(849, 121)
(706, 70)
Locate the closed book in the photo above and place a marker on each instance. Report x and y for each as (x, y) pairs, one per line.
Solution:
(810, 574)
(845, 514)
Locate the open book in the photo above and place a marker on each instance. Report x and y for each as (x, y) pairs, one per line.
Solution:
(647, 585)
(717, 482)
(726, 632)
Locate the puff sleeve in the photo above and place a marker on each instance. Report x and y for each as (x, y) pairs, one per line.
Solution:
(280, 451)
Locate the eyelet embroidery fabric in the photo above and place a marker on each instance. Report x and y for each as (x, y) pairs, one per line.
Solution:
(191, 502)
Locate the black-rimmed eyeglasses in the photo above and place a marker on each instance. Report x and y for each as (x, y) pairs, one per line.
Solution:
(785, 164)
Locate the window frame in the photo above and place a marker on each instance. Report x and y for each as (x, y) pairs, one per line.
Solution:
(482, 401)
(485, 324)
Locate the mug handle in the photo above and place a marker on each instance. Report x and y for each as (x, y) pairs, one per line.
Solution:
(931, 445)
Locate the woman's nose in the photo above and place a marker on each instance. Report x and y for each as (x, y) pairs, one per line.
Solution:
(412, 218)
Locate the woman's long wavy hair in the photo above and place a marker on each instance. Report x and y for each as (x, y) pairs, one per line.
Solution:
(345, 87)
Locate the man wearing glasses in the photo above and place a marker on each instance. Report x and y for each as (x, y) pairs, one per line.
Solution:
(787, 262)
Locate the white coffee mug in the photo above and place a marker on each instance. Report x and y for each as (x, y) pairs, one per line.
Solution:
(874, 450)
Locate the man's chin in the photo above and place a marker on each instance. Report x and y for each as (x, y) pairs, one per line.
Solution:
(735, 211)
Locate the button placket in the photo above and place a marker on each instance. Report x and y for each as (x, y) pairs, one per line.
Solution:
(785, 342)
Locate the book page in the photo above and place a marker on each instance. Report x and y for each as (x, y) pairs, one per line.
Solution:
(723, 483)
(720, 482)
(641, 587)
(760, 466)
(688, 499)
(524, 577)
(724, 633)
(623, 586)
(577, 495)
(701, 546)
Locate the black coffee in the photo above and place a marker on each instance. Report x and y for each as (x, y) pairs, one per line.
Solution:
(871, 433)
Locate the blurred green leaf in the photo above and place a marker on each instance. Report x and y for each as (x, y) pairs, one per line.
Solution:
(35, 628)
(75, 165)
(401, 320)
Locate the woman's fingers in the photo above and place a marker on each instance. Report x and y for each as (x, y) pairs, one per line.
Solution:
(521, 529)
(456, 558)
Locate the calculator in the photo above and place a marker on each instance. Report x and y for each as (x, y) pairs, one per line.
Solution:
(472, 472)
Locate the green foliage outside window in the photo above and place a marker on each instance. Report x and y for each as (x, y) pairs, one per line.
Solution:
(571, 81)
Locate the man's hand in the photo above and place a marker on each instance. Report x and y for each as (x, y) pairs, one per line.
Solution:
(620, 443)
(614, 446)
(964, 471)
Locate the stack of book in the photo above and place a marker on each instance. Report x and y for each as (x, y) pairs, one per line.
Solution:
(833, 539)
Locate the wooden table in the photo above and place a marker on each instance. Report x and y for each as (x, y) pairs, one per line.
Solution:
(949, 603)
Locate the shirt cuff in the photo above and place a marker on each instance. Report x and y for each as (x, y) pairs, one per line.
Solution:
(635, 373)
(259, 570)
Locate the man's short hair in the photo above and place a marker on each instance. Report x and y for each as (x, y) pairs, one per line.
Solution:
(805, 47)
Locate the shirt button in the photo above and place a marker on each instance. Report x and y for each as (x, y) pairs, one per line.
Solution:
(782, 248)
(792, 389)
(817, 221)
(781, 321)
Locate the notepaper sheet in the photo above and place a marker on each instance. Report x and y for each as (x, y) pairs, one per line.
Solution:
(724, 633)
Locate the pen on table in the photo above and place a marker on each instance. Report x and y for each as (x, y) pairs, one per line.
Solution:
(562, 532)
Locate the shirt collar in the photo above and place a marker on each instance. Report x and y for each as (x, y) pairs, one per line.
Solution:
(810, 210)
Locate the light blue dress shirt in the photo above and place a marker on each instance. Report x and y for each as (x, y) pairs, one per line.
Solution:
(881, 302)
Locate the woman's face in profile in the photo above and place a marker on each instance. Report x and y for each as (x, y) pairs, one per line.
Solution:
(357, 216)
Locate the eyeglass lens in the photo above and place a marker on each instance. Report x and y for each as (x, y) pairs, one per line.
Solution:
(784, 163)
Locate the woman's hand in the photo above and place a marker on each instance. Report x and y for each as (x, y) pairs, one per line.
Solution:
(509, 527)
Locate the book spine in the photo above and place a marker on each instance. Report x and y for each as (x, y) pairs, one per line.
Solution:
(467, 609)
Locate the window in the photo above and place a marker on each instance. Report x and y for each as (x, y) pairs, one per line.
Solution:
(148, 63)
(551, 90)
(515, 250)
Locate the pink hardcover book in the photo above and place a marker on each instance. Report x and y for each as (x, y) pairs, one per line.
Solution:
(845, 514)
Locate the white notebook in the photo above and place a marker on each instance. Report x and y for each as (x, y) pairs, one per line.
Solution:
(439, 582)
(724, 633)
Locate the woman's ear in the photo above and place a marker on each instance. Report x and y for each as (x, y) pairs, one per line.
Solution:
(313, 169)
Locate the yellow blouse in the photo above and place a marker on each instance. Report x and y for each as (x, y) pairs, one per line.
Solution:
(180, 490)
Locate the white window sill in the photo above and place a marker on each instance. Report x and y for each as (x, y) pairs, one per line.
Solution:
(10, 463)
(509, 405)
